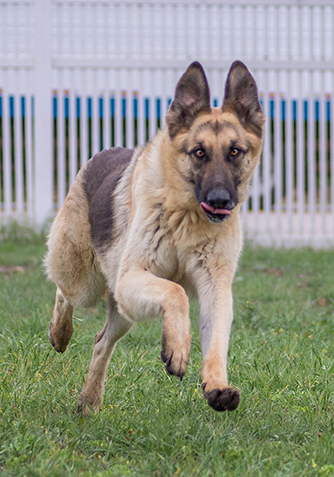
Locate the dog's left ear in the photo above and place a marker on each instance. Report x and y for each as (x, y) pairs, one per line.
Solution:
(242, 99)
(192, 97)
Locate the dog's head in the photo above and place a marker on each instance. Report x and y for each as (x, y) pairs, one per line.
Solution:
(221, 146)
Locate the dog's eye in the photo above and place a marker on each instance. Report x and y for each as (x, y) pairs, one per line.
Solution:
(199, 153)
(234, 152)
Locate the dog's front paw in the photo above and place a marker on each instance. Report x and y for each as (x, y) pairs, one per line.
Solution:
(226, 399)
(176, 363)
(176, 357)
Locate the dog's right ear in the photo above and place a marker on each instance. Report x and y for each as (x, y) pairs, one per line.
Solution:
(192, 97)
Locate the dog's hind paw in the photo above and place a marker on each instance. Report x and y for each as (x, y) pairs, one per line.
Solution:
(226, 399)
(89, 402)
(60, 336)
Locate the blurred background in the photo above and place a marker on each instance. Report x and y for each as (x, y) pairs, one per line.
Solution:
(77, 76)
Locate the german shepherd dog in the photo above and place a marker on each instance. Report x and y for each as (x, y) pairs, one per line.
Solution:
(160, 223)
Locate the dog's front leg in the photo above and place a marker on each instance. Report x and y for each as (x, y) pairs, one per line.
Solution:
(215, 319)
(141, 295)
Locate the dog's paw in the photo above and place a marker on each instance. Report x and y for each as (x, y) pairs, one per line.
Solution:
(226, 399)
(175, 357)
(176, 348)
(176, 363)
(60, 336)
(92, 402)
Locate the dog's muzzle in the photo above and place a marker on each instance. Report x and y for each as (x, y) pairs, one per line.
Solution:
(218, 205)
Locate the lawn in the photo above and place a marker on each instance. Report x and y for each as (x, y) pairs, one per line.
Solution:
(151, 424)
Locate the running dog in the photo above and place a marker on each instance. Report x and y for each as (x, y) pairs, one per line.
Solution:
(160, 223)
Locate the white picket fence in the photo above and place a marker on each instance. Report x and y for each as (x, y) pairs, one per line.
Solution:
(77, 76)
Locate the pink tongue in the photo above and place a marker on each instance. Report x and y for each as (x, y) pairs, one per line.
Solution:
(208, 208)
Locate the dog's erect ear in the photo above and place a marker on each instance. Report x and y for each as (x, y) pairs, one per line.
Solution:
(192, 96)
(241, 98)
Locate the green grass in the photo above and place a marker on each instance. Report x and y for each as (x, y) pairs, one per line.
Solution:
(151, 424)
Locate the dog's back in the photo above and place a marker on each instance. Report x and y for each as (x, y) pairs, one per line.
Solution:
(99, 181)
(84, 223)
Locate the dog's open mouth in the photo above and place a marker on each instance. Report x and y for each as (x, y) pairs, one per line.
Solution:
(215, 215)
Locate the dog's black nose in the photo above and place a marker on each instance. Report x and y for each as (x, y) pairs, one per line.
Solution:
(218, 198)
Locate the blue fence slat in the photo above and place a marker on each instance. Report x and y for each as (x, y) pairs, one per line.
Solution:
(23, 107)
(89, 107)
(158, 105)
(123, 105)
(67, 106)
(272, 108)
(317, 110)
(11, 106)
(78, 107)
(283, 110)
(147, 108)
(101, 108)
(112, 107)
(55, 107)
(294, 110)
(135, 106)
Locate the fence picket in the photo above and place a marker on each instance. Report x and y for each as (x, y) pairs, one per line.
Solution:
(289, 175)
(130, 120)
(43, 166)
(61, 147)
(300, 157)
(95, 114)
(28, 151)
(18, 153)
(311, 162)
(141, 118)
(72, 135)
(278, 158)
(7, 149)
(266, 161)
(106, 116)
(322, 163)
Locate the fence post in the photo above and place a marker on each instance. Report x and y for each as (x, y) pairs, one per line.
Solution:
(43, 189)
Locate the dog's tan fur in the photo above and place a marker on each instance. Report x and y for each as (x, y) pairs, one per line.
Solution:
(140, 232)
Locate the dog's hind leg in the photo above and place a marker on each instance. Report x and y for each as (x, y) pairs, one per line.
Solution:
(105, 341)
(61, 326)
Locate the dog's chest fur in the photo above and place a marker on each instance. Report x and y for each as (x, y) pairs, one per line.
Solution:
(171, 242)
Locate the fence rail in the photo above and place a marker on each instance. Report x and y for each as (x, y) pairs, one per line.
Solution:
(79, 76)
